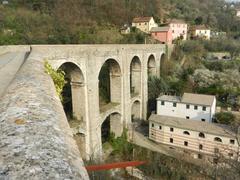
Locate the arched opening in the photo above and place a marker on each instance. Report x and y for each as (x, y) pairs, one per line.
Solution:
(202, 135)
(152, 71)
(162, 64)
(136, 111)
(73, 92)
(73, 100)
(109, 85)
(217, 139)
(135, 77)
(186, 133)
(111, 125)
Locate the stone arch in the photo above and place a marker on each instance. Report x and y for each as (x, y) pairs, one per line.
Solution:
(111, 124)
(152, 70)
(163, 60)
(110, 83)
(135, 76)
(136, 110)
(74, 90)
(74, 94)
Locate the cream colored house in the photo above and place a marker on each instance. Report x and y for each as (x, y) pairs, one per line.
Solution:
(145, 24)
(200, 138)
(179, 29)
(238, 12)
(201, 31)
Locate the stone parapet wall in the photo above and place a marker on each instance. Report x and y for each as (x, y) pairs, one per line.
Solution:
(16, 48)
(36, 140)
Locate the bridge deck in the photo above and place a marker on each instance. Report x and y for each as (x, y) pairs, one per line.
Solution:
(9, 65)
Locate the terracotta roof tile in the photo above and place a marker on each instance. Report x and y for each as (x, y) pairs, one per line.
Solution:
(141, 19)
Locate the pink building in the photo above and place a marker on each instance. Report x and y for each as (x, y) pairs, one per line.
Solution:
(179, 29)
(162, 34)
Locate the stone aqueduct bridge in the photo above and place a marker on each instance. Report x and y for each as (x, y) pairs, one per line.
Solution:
(130, 66)
(36, 140)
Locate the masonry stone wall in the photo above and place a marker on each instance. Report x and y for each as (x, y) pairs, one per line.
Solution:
(90, 59)
(16, 48)
(36, 141)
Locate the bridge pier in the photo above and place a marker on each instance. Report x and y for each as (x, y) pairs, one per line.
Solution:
(129, 67)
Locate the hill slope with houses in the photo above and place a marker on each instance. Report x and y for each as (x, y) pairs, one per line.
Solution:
(67, 22)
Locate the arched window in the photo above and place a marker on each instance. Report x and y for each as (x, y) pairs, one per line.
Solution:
(202, 135)
(217, 139)
(186, 133)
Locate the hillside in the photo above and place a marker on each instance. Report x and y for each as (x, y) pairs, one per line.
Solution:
(98, 21)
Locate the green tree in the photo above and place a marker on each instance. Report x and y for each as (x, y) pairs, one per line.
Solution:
(225, 118)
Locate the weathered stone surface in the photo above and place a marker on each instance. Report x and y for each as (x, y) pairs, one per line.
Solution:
(129, 64)
(36, 141)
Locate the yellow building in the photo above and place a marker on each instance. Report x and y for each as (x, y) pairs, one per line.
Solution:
(145, 24)
(200, 31)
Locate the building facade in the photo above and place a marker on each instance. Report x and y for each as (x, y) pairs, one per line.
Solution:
(179, 29)
(200, 32)
(162, 34)
(198, 137)
(190, 106)
(238, 12)
(145, 24)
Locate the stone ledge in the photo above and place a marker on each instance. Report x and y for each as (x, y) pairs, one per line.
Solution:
(36, 140)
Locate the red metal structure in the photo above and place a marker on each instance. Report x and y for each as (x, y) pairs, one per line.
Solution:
(114, 165)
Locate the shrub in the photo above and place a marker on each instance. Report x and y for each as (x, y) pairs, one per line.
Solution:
(225, 118)
(57, 77)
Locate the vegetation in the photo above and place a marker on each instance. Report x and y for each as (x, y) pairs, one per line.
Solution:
(121, 146)
(225, 118)
(98, 21)
(57, 77)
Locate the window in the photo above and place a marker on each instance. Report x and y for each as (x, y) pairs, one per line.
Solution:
(199, 156)
(171, 129)
(171, 140)
(186, 133)
(162, 103)
(173, 31)
(202, 135)
(160, 127)
(187, 106)
(200, 146)
(145, 23)
(217, 139)
(174, 104)
(195, 107)
(232, 141)
(139, 24)
(204, 108)
(185, 143)
(187, 117)
(183, 32)
(152, 125)
(230, 154)
(216, 150)
(215, 160)
(203, 120)
(155, 34)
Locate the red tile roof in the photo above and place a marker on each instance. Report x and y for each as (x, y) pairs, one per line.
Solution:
(199, 27)
(141, 19)
(176, 21)
(160, 29)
